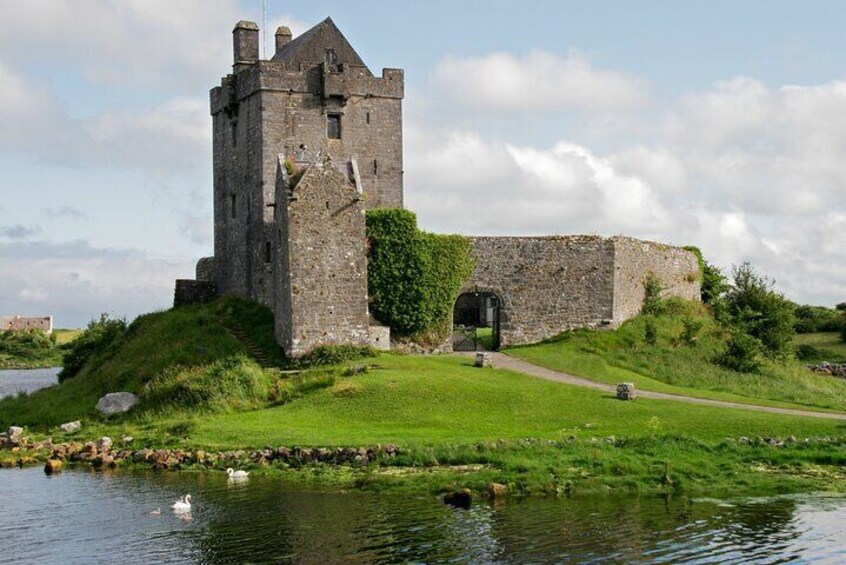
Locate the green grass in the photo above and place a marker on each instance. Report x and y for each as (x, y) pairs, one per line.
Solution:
(829, 344)
(622, 355)
(199, 390)
(436, 399)
(65, 335)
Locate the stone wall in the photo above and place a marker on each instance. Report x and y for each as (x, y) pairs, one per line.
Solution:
(546, 285)
(22, 323)
(189, 291)
(676, 268)
(321, 261)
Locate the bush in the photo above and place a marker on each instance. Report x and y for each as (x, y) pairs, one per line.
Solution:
(713, 281)
(334, 355)
(96, 339)
(413, 278)
(26, 343)
(764, 314)
(741, 353)
(650, 332)
(807, 352)
(652, 289)
(690, 331)
(811, 319)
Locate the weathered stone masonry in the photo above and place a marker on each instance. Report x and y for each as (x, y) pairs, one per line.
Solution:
(547, 285)
(304, 142)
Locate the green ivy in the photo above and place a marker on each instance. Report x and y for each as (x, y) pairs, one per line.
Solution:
(413, 277)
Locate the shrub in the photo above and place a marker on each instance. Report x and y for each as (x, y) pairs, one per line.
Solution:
(810, 319)
(690, 331)
(806, 352)
(413, 277)
(756, 309)
(26, 343)
(334, 355)
(652, 289)
(650, 332)
(95, 340)
(713, 281)
(741, 353)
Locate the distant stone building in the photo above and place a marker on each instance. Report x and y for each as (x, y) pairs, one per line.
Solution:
(18, 323)
(304, 143)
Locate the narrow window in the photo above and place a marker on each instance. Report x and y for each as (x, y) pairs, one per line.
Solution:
(234, 134)
(375, 167)
(367, 117)
(333, 126)
(331, 58)
(233, 210)
(267, 252)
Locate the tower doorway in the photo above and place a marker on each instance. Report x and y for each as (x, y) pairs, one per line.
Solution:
(476, 321)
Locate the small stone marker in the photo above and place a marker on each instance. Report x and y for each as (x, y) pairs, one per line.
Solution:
(626, 391)
(483, 360)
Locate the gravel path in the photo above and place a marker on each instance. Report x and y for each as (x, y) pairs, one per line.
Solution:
(506, 362)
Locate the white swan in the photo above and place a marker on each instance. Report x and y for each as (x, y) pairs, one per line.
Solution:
(237, 475)
(182, 506)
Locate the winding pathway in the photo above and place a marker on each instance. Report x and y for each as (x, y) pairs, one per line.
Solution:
(504, 361)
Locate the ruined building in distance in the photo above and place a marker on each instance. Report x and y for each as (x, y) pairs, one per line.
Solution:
(305, 142)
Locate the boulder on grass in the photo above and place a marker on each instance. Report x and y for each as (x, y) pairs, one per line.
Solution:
(116, 403)
(626, 391)
(70, 427)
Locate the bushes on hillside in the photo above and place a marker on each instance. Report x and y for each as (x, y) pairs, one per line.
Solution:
(811, 319)
(713, 283)
(97, 337)
(32, 343)
(413, 277)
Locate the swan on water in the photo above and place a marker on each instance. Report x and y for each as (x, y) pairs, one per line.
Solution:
(183, 505)
(237, 475)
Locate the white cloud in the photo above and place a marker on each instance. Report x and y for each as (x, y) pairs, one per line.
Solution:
(541, 80)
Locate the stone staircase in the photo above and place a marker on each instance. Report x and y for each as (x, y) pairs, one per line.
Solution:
(256, 352)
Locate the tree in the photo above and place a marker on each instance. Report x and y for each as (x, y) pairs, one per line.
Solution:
(713, 283)
(759, 311)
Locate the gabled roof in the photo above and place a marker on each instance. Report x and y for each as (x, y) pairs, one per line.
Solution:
(311, 46)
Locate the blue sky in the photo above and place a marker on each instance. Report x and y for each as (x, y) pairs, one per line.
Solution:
(718, 124)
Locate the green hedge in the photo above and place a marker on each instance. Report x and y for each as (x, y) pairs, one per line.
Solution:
(413, 277)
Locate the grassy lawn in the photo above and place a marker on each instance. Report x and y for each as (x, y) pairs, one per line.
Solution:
(64, 335)
(436, 399)
(669, 366)
(831, 347)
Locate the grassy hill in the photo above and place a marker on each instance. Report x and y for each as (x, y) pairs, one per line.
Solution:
(674, 366)
(458, 425)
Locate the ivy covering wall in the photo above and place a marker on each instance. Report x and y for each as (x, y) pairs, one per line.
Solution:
(413, 277)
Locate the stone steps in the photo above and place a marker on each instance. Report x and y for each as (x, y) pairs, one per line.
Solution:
(254, 350)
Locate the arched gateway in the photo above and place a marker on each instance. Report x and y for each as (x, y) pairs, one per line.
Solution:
(476, 322)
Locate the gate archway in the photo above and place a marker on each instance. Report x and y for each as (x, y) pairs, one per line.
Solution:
(476, 322)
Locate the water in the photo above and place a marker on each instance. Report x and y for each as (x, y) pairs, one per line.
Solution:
(88, 517)
(13, 381)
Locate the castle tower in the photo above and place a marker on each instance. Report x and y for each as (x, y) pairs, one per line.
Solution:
(315, 97)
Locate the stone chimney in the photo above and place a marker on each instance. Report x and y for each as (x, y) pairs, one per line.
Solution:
(245, 39)
(283, 37)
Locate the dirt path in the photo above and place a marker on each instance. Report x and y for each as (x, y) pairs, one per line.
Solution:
(506, 362)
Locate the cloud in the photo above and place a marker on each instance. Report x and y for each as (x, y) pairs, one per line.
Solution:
(198, 228)
(539, 81)
(18, 232)
(65, 211)
(75, 281)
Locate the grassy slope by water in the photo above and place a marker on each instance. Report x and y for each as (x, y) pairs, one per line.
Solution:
(442, 411)
(668, 366)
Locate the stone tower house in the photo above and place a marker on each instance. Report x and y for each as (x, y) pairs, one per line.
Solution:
(313, 105)
(308, 140)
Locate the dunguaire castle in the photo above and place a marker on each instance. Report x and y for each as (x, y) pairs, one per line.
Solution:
(305, 142)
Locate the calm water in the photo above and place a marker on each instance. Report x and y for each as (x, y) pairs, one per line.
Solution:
(14, 381)
(87, 517)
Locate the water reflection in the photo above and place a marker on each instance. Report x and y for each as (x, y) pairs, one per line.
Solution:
(94, 517)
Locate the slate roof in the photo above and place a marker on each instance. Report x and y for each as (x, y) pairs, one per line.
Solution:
(309, 47)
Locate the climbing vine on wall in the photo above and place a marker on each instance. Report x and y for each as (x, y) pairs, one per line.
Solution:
(413, 277)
